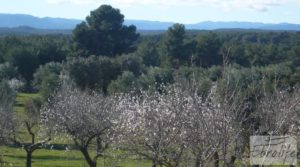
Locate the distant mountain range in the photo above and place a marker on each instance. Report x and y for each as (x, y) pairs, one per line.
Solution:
(17, 20)
(57, 24)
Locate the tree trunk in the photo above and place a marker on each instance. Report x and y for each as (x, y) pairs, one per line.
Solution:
(216, 159)
(28, 158)
(155, 164)
(198, 161)
(232, 160)
(88, 158)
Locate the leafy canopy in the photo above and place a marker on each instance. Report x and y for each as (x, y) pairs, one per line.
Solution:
(103, 33)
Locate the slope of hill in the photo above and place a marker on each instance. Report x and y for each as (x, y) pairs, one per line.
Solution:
(17, 20)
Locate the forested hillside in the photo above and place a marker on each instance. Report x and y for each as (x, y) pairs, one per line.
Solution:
(159, 57)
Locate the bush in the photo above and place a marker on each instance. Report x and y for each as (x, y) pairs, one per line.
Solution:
(124, 83)
(155, 77)
(131, 63)
(47, 78)
(93, 72)
(8, 71)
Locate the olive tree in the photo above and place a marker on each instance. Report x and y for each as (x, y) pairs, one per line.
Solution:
(86, 117)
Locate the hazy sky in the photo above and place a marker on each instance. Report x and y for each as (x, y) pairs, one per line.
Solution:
(183, 11)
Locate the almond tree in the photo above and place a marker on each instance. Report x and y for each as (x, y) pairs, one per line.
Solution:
(5, 123)
(235, 97)
(30, 121)
(154, 126)
(270, 113)
(295, 128)
(203, 129)
(215, 123)
(12, 125)
(86, 117)
(7, 97)
(277, 112)
(5, 126)
(233, 117)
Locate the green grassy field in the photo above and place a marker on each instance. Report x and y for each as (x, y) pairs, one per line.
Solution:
(16, 157)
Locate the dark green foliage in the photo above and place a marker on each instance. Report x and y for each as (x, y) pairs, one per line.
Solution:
(93, 72)
(196, 78)
(8, 71)
(49, 50)
(27, 53)
(103, 33)
(255, 81)
(124, 83)
(215, 73)
(173, 49)
(208, 51)
(148, 51)
(295, 78)
(178, 54)
(132, 63)
(234, 53)
(261, 49)
(46, 78)
(1, 56)
(49, 84)
(25, 61)
(7, 95)
(155, 77)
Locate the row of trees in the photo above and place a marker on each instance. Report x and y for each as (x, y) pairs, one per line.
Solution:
(174, 126)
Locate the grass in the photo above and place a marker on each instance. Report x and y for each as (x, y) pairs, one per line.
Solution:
(21, 99)
(16, 157)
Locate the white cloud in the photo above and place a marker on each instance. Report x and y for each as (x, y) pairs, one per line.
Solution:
(77, 2)
(129, 2)
(256, 5)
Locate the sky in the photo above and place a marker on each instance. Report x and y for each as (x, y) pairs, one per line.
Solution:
(180, 11)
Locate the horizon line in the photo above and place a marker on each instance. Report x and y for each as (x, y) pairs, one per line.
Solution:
(161, 21)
